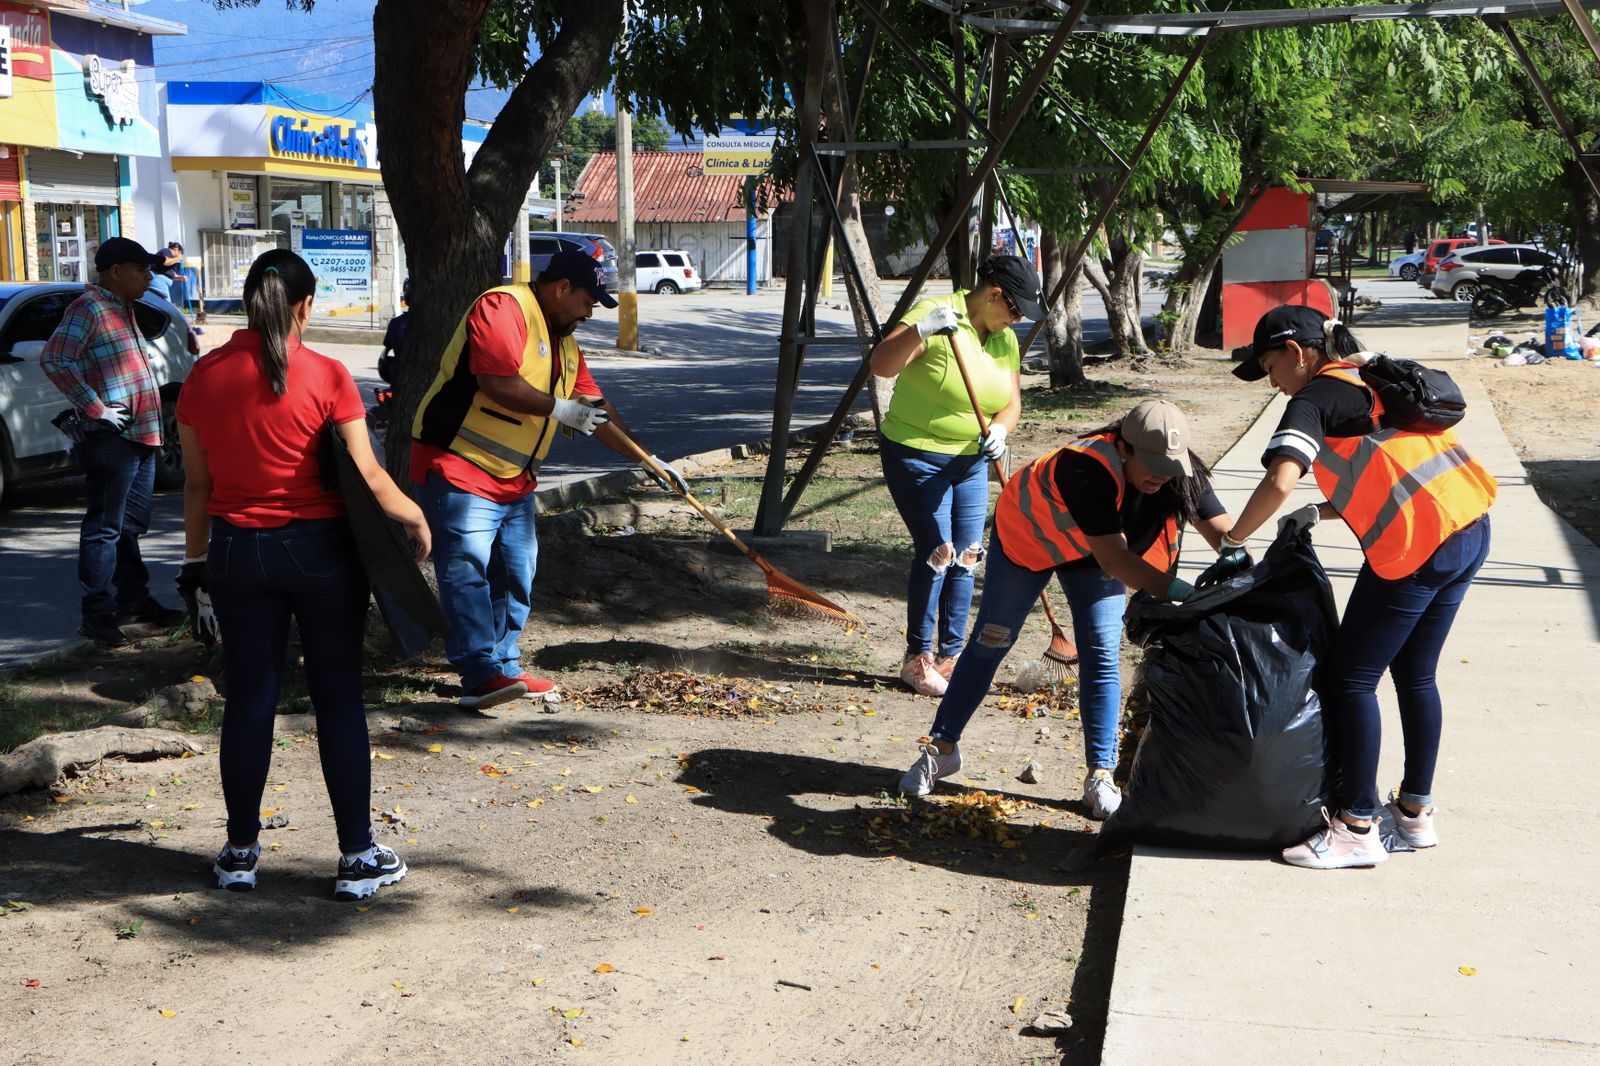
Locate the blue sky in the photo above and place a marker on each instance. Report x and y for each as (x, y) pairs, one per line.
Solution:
(327, 51)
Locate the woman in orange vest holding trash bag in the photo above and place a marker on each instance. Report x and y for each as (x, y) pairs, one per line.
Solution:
(1102, 514)
(1419, 505)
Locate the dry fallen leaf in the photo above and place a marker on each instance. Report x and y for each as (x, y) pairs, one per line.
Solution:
(574, 1041)
(382, 755)
(629, 799)
(32, 982)
(594, 788)
(512, 910)
(537, 981)
(575, 1012)
(398, 985)
(1467, 971)
(435, 748)
(1016, 1007)
(166, 1013)
(68, 799)
(362, 910)
(605, 967)
(643, 912)
(690, 789)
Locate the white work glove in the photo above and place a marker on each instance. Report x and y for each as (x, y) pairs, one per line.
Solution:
(677, 484)
(192, 586)
(112, 414)
(1299, 520)
(574, 415)
(939, 320)
(994, 442)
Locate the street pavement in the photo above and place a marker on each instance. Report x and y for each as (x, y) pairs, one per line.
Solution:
(703, 381)
(1484, 950)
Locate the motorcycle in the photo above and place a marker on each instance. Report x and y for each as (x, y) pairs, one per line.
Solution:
(378, 413)
(1496, 296)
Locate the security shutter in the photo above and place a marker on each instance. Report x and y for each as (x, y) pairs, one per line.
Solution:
(66, 178)
(10, 182)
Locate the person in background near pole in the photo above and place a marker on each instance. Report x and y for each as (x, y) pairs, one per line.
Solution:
(1419, 505)
(1411, 241)
(264, 542)
(394, 336)
(1102, 514)
(510, 378)
(934, 463)
(167, 271)
(96, 357)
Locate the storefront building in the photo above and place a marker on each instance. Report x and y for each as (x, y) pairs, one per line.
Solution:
(254, 165)
(74, 114)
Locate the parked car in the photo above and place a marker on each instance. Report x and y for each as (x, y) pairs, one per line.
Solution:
(1458, 273)
(666, 270)
(31, 448)
(1407, 267)
(1441, 248)
(541, 246)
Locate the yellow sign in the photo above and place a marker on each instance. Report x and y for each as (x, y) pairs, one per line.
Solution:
(749, 154)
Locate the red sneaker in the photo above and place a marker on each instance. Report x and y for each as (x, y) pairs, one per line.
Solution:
(498, 689)
(540, 688)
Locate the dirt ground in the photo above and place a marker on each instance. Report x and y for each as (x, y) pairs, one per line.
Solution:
(697, 857)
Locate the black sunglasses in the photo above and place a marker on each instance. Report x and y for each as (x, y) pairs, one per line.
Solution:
(1011, 305)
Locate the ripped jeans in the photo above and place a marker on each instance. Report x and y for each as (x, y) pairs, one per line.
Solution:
(943, 500)
(1009, 593)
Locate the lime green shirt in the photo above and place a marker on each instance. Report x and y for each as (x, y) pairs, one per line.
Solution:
(930, 410)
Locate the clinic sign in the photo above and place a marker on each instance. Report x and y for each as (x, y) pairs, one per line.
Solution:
(342, 261)
(748, 154)
(320, 139)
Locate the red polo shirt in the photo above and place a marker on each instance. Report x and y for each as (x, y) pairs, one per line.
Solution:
(496, 335)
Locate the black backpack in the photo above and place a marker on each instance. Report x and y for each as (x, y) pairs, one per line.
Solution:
(1415, 398)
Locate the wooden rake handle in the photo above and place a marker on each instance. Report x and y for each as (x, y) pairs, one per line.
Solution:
(651, 465)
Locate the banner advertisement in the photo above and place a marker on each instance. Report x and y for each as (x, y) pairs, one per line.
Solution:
(342, 262)
(738, 155)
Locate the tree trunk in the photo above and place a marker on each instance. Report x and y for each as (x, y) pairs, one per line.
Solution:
(1123, 271)
(1063, 324)
(1587, 249)
(456, 219)
(1186, 293)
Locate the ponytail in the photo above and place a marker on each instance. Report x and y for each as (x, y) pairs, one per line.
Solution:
(278, 281)
(1341, 343)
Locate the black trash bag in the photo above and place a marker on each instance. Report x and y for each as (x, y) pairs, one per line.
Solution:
(1234, 755)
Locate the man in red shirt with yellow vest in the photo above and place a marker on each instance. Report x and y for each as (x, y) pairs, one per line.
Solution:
(510, 378)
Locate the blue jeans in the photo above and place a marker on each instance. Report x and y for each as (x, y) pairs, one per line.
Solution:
(485, 555)
(943, 500)
(1097, 601)
(1399, 626)
(259, 578)
(120, 476)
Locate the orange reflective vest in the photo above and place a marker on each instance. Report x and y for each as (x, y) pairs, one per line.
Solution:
(1036, 529)
(1402, 494)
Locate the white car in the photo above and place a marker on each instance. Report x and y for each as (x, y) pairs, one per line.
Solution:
(31, 448)
(666, 270)
(1407, 267)
(1458, 273)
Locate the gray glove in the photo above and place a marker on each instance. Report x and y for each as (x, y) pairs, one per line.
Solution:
(939, 320)
(1299, 520)
(584, 419)
(677, 484)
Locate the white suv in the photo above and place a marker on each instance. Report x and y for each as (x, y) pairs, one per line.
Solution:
(665, 270)
(1456, 277)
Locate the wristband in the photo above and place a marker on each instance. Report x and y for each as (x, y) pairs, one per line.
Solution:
(1229, 543)
(196, 559)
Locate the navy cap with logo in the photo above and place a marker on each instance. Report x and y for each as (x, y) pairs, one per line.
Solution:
(583, 272)
(1016, 278)
(1284, 323)
(115, 250)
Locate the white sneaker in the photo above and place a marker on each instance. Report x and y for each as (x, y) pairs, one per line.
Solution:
(1101, 794)
(1418, 831)
(922, 676)
(929, 768)
(1337, 847)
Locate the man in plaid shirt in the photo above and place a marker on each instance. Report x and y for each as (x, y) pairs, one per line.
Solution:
(96, 357)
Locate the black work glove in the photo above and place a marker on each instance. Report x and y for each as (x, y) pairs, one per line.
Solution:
(1231, 563)
(197, 599)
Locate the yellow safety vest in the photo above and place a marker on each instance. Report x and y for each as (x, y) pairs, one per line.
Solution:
(456, 416)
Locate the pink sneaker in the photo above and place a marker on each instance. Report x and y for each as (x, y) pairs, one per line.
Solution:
(919, 672)
(1418, 831)
(1337, 847)
(945, 665)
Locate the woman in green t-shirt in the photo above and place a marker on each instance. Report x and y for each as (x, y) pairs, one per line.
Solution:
(934, 457)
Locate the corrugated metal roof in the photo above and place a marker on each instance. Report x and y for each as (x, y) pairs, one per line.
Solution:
(667, 187)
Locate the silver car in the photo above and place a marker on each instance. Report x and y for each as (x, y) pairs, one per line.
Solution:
(31, 449)
(1456, 277)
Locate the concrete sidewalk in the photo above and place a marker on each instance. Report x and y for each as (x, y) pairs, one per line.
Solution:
(1244, 960)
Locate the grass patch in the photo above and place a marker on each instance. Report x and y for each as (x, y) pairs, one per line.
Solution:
(25, 715)
(1097, 403)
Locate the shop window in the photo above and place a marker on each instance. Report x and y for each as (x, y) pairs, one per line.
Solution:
(357, 207)
(299, 205)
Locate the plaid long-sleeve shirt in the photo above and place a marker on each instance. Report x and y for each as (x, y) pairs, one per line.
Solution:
(97, 356)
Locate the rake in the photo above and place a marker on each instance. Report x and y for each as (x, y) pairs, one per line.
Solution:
(1055, 665)
(784, 593)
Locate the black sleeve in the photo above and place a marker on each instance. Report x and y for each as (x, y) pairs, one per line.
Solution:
(1326, 407)
(1209, 506)
(1090, 493)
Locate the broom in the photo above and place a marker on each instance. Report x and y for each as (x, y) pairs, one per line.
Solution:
(1054, 666)
(784, 593)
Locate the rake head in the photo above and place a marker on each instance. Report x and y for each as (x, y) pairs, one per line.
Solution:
(786, 595)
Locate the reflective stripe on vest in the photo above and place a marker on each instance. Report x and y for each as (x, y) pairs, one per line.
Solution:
(1402, 494)
(456, 416)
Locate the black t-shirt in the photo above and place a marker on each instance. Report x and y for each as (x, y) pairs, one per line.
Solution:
(1325, 407)
(1091, 496)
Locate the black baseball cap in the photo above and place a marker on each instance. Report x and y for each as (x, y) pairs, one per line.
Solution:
(114, 250)
(1017, 280)
(583, 272)
(1286, 322)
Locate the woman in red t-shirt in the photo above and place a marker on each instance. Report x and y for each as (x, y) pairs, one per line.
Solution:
(265, 541)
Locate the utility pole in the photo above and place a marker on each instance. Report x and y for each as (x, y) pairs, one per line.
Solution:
(557, 163)
(627, 278)
(521, 265)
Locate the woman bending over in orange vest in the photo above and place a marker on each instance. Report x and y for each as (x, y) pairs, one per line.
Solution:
(1102, 515)
(1419, 505)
